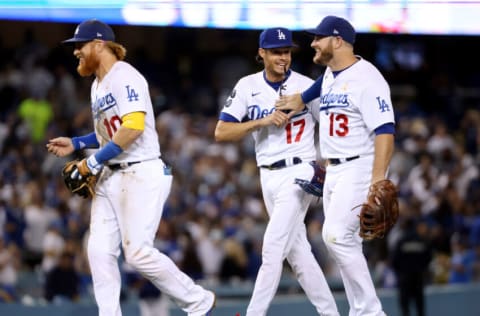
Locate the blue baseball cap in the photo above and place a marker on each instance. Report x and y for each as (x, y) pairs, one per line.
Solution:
(335, 26)
(90, 30)
(275, 37)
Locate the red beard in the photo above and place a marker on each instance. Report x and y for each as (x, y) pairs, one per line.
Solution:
(89, 66)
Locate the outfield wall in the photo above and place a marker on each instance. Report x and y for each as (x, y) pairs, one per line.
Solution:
(459, 300)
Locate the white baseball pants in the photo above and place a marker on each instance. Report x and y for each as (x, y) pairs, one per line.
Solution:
(286, 237)
(346, 187)
(127, 210)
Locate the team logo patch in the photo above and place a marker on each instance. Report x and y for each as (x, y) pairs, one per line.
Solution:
(383, 105)
(131, 94)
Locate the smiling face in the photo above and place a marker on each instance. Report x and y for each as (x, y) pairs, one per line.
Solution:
(323, 46)
(88, 60)
(277, 62)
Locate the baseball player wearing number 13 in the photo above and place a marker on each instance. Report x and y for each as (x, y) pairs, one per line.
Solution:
(284, 150)
(133, 182)
(357, 129)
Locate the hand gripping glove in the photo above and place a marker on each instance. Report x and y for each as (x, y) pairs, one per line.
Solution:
(315, 185)
(380, 212)
(83, 185)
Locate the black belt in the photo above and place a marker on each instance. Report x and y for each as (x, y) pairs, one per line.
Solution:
(337, 161)
(282, 164)
(122, 165)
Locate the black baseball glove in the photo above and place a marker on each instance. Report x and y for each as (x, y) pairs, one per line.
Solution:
(313, 186)
(76, 183)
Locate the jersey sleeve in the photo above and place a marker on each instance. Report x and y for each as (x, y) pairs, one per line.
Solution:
(314, 107)
(130, 92)
(235, 107)
(376, 105)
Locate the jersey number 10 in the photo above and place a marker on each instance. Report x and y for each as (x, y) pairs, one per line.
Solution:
(111, 125)
(298, 136)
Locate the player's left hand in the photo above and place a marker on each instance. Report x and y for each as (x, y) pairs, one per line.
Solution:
(89, 166)
(313, 186)
(82, 185)
(380, 212)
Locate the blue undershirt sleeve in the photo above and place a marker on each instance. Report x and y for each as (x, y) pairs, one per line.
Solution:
(85, 141)
(387, 128)
(313, 92)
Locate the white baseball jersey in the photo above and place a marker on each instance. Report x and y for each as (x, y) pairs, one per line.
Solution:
(129, 202)
(286, 203)
(253, 98)
(350, 112)
(124, 90)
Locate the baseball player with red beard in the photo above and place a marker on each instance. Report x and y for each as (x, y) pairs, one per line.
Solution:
(284, 151)
(357, 128)
(133, 181)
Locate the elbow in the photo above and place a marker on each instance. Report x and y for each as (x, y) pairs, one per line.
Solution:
(219, 137)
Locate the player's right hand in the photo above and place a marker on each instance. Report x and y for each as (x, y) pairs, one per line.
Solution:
(60, 146)
(277, 118)
(291, 103)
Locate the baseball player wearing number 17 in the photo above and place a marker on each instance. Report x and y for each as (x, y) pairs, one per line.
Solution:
(284, 151)
(357, 129)
(133, 182)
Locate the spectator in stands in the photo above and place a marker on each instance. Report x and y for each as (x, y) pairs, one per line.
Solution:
(410, 259)
(234, 263)
(36, 113)
(62, 282)
(426, 183)
(53, 246)
(463, 257)
(38, 217)
(10, 262)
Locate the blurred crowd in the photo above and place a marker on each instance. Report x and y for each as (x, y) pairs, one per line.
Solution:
(214, 220)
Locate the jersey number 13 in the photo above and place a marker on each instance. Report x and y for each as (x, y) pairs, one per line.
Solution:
(338, 125)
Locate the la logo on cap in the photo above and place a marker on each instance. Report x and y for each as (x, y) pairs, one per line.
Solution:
(281, 36)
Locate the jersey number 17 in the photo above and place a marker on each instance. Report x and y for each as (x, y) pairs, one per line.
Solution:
(290, 126)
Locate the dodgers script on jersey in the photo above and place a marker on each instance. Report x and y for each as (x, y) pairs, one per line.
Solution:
(253, 98)
(124, 90)
(348, 116)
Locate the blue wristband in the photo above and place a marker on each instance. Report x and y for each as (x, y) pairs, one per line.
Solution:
(85, 141)
(108, 152)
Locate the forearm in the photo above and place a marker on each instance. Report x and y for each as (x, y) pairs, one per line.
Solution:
(229, 131)
(124, 137)
(384, 146)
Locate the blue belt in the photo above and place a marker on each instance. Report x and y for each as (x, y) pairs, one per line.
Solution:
(337, 161)
(282, 163)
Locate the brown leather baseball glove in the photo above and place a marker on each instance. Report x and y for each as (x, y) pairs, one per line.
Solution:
(76, 183)
(380, 212)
